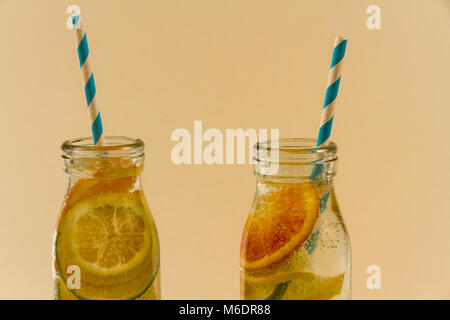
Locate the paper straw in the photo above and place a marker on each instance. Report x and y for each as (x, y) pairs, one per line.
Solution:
(87, 77)
(326, 122)
(334, 78)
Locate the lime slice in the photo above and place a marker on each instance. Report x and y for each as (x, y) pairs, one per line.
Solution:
(293, 286)
(279, 291)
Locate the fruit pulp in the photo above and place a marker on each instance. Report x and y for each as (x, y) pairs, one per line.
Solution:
(295, 245)
(106, 244)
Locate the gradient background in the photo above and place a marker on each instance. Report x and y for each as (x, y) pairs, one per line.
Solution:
(160, 65)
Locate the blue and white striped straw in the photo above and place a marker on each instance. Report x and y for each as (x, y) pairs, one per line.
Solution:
(334, 78)
(87, 77)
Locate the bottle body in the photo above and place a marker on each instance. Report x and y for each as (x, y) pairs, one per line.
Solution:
(295, 244)
(106, 244)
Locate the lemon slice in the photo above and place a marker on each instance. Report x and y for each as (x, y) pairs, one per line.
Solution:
(109, 237)
(281, 221)
(293, 286)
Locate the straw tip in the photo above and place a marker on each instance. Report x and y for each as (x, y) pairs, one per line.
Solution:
(341, 38)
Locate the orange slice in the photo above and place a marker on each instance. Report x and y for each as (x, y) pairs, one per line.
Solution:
(87, 187)
(281, 221)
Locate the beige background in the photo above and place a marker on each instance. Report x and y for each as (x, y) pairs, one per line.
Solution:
(160, 65)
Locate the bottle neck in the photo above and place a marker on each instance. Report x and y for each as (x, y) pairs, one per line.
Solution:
(104, 168)
(295, 160)
(119, 157)
(112, 175)
(298, 173)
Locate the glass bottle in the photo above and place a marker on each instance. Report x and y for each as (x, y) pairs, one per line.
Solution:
(106, 244)
(295, 245)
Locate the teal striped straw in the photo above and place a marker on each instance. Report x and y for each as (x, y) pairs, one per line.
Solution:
(87, 77)
(326, 122)
(334, 78)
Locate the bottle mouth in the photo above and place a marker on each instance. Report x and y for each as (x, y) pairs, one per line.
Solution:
(296, 159)
(115, 147)
(294, 151)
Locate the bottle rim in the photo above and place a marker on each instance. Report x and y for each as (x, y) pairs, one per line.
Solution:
(115, 146)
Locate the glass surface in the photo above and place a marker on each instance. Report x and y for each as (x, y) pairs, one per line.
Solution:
(294, 244)
(105, 245)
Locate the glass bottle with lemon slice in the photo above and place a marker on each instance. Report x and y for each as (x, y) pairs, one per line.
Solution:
(295, 245)
(106, 245)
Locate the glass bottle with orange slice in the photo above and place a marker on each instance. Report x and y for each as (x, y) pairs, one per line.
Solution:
(106, 245)
(295, 244)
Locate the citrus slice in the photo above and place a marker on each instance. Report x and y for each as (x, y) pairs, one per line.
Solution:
(63, 293)
(281, 221)
(294, 286)
(114, 292)
(86, 187)
(109, 237)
